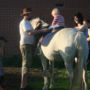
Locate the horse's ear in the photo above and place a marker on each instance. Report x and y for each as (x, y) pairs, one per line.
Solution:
(37, 19)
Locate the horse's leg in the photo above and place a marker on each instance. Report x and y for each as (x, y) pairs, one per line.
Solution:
(51, 70)
(81, 70)
(69, 67)
(85, 78)
(45, 73)
(77, 79)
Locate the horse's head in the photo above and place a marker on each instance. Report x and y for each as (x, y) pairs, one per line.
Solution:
(37, 23)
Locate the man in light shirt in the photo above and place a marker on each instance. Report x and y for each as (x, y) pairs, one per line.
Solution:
(27, 41)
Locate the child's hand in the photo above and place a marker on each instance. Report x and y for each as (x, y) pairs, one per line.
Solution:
(30, 33)
(88, 39)
(54, 30)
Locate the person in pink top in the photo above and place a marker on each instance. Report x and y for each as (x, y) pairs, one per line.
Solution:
(57, 23)
(58, 20)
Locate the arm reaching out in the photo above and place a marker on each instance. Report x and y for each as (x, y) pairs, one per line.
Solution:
(32, 32)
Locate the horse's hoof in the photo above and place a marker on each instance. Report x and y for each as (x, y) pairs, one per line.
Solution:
(45, 88)
(51, 86)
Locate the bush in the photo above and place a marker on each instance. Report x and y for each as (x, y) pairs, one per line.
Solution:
(16, 61)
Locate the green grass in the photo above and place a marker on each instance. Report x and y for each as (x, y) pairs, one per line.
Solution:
(36, 80)
(12, 66)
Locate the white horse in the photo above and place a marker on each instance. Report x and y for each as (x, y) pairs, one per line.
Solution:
(65, 45)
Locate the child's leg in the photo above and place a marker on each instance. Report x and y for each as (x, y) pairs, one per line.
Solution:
(37, 51)
(40, 40)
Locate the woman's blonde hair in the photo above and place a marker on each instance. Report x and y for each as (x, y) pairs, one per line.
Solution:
(56, 11)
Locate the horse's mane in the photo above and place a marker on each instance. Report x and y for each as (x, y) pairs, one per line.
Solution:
(37, 22)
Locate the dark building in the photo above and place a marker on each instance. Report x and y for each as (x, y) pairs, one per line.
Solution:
(10, 16)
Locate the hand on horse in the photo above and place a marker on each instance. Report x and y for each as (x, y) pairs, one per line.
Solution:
(37, 31)
(88, 39)
(45, 30)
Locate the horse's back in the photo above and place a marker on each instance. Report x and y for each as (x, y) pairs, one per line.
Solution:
(62, 42)
(65, 37)
(59, 37)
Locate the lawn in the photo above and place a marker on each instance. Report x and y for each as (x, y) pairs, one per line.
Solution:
(12, 70)
(12, 79)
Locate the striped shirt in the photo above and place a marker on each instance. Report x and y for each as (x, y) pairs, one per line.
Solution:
(58, 20)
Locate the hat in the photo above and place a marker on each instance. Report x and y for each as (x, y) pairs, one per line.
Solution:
(26, 11)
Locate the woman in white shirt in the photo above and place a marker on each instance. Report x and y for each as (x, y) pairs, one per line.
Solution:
(78, 19)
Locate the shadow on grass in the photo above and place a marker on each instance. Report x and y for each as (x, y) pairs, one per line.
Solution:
(12, 79)
(12, 82)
